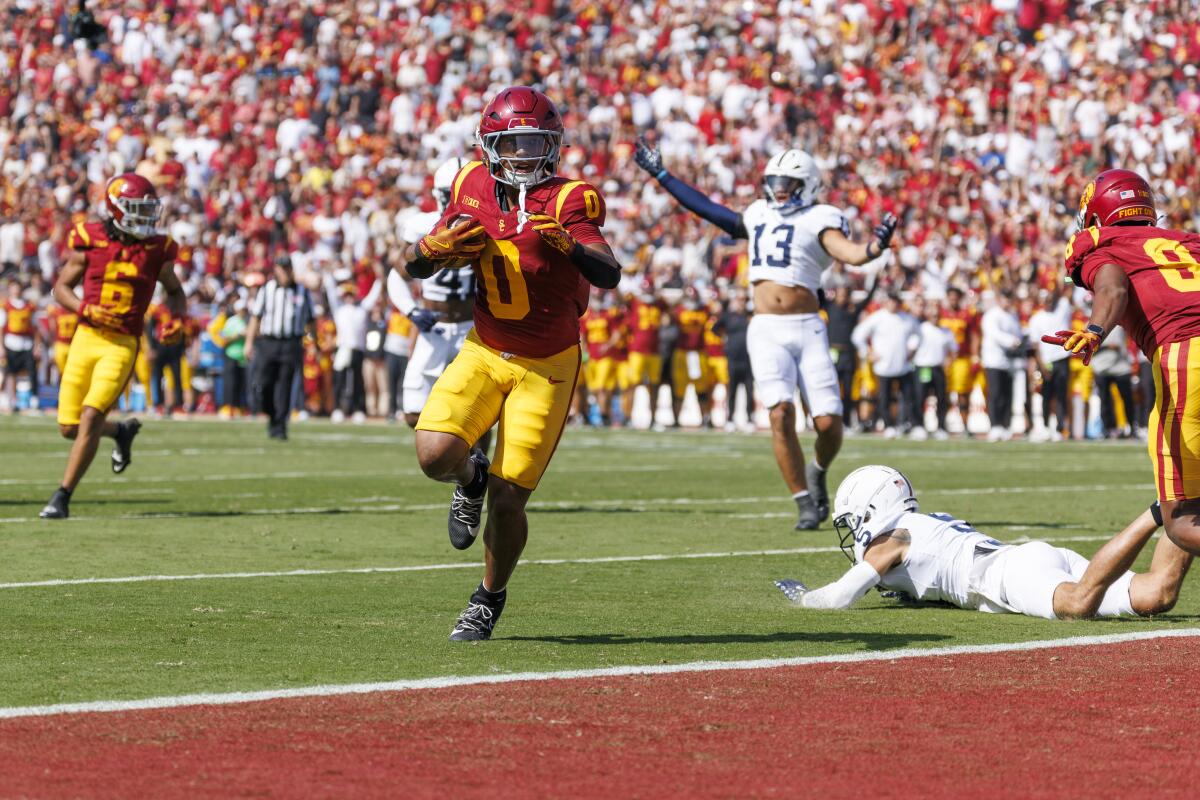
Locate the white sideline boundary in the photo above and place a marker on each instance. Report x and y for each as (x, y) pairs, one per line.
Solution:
(445, 682)
(299, 573)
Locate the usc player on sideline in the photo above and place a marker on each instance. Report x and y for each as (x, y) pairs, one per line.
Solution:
(535, 244)
(119, 261)
(1146, 279)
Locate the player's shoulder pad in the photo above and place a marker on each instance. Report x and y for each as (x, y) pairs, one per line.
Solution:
(416, 226)
(85, 236)
(1078, 247)
(579, 201)
(468, 169)
(823, 217)
(757, 208)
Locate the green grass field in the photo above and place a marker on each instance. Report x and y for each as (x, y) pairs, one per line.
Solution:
(211, 498)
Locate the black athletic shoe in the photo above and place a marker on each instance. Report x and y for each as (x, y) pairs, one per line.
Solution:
(122, 454)
(810, 516)
(820, 492)
(58, 507)
(466, 511)
(475, 624)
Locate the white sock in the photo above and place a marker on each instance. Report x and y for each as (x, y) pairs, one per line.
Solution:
(800, 495)
(818, 467)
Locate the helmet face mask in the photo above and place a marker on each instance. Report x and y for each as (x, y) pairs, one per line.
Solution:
(522, 157)
(782, 190)
(133, 205)
(791, 181)
(520, 133)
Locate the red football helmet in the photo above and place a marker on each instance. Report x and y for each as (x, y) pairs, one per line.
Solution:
(1115, 197)
(520, 134)
(133, 205)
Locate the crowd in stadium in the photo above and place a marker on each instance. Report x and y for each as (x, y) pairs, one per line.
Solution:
(310, 131)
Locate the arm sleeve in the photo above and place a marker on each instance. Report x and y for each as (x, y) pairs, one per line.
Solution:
(399, 293)
(698, 203)
(845, 591)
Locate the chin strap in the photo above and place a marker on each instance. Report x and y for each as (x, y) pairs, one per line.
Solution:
(522, 214)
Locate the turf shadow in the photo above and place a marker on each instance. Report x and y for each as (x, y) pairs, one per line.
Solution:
(872, 641)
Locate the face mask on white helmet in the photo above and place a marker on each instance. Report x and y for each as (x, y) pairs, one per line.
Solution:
(867, 504)
(791, 181)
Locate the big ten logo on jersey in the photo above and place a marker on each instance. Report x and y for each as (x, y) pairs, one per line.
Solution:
(469, 201)
(117, 294)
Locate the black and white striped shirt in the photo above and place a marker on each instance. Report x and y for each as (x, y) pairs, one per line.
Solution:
(283, 311)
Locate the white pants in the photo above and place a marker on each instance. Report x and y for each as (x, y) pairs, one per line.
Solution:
(431, 354)
(789, 352)
(1025, 576)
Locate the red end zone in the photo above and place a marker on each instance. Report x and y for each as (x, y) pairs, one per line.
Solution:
(1113, 720)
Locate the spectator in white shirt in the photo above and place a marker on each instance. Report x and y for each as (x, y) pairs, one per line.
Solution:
(351, 317)
(888, 338)
(1001, 353)
(1054, 363)
(935, 346)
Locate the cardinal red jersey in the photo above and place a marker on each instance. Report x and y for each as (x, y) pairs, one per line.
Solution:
(963, 323)
(714, 345)
(645, 322)
(119, 277)
(18, 320)
(62, 324)
(529, 296)
(620, 328)
(691, 328)
(597, 332)
(1162, 267)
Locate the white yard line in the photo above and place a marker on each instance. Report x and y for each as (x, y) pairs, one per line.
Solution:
(298, 573)
(445, 682)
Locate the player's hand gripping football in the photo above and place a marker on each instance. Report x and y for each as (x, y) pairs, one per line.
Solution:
(553, 233)
(1082, 343)
(648, 158)
(462, 238)
(98, 316)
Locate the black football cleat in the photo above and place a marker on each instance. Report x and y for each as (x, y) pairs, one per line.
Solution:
(58, 507)
(818, 489)
(122, 454)
(466, 510)
(810, 516)
(476, 622)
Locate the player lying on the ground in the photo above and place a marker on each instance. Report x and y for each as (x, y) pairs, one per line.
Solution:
(934, 557)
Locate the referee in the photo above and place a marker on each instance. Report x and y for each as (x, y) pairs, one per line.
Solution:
(279, 317)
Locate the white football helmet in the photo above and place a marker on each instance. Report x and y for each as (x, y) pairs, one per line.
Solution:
(443, 181)
(791, 180)
(867, 503)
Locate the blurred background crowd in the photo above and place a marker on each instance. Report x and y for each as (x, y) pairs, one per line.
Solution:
(311, 130)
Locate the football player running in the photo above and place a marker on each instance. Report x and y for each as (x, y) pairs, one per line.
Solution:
(937, 558)
(1145, 278)
(536, 245)
(446, 313)
(119, 261)
(792, 240)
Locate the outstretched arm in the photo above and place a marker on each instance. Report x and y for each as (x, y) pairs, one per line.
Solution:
(689, 197)
(882, 555)
(838, 245)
